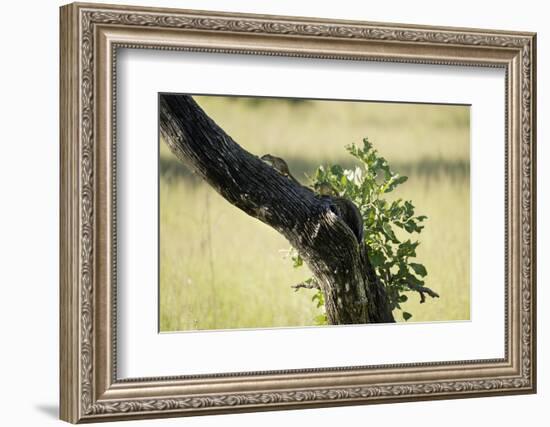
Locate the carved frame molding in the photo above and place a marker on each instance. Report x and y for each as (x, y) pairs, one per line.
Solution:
(90, 36)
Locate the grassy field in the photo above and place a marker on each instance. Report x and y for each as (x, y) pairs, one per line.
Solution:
(221, 269)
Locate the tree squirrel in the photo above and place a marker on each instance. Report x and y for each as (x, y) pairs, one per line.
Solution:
(345, 208)
(280, 166)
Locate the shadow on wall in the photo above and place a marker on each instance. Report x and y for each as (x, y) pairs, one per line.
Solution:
(50, 410)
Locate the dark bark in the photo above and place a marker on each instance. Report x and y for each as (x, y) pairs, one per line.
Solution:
(353, 294)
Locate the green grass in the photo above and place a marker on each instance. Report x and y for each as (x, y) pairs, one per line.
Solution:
(220, 268)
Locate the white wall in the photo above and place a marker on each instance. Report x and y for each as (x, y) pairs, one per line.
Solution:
(29, 170)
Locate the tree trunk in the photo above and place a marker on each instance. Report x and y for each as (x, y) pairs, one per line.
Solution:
(353, 294)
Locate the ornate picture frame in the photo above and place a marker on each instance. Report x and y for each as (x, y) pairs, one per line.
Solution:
(90, 37)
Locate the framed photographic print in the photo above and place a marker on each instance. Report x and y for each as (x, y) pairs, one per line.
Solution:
(265, 212)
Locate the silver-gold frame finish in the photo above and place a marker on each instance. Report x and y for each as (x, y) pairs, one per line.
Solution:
(89, 38)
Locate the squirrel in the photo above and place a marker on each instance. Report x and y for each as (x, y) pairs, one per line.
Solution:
(344, 208)
(280, 166)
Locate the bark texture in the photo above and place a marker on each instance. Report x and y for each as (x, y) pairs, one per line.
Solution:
(353, 293)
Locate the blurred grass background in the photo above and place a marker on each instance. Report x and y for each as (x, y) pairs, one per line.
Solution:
(221, 269)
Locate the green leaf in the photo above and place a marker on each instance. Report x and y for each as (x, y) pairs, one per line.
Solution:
(419, 269)
(410, 226)
(402, 298)
(389, 232)
(371, 217)
(337, 170)
(395, 182)
(320, 319)
(407, 316)
(298, 261)
(408, 210)
(413, 281)
(376, 258)
(319, 297)
(407, 249)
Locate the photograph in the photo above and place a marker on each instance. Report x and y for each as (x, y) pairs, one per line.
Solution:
(290, 212)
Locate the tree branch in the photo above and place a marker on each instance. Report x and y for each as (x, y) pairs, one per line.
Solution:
(310, 223)
(423, 290)
(306, 285)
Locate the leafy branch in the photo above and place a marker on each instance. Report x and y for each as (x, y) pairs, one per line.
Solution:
(391, 255)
